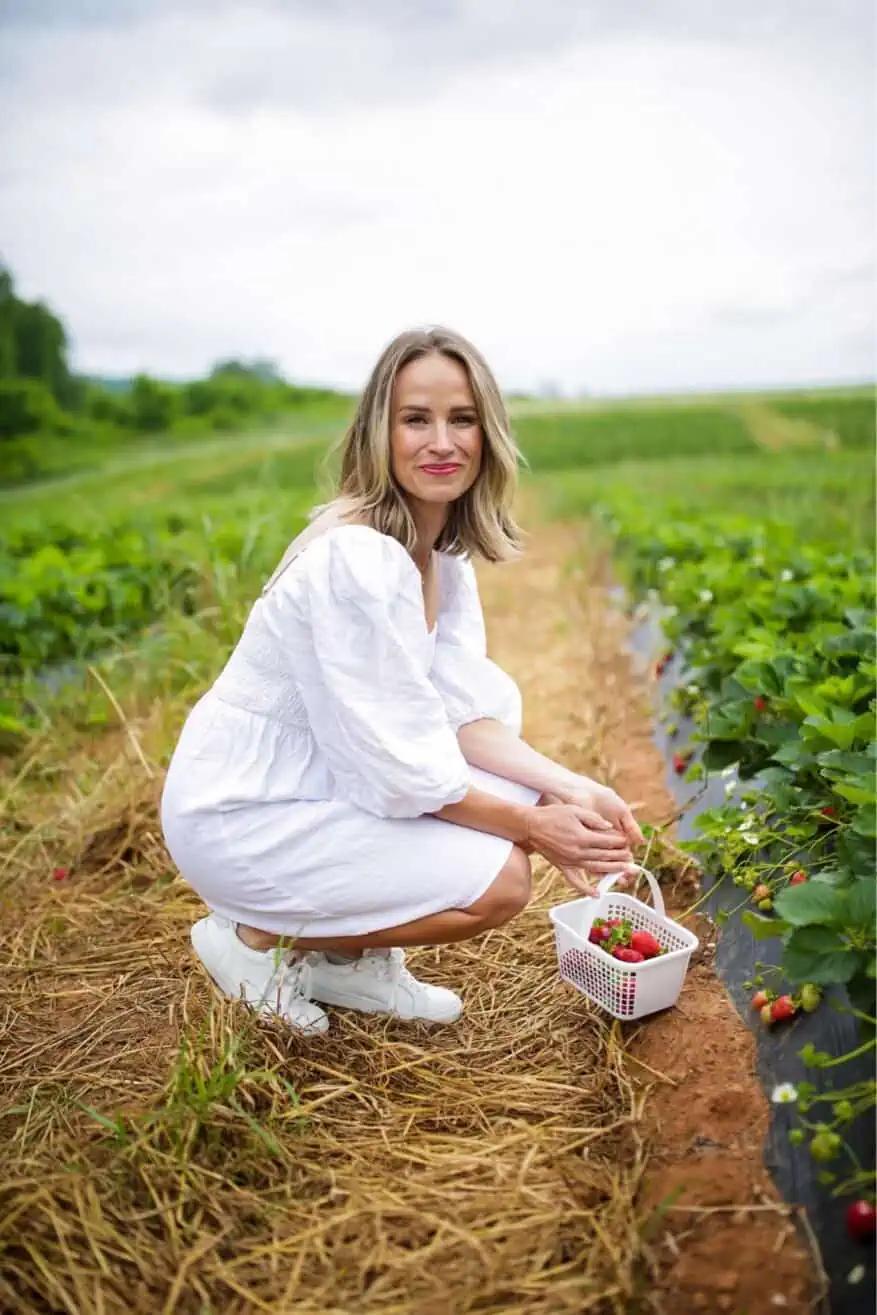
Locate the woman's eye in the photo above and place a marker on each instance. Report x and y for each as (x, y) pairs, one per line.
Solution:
(465, 421)
(416, 420)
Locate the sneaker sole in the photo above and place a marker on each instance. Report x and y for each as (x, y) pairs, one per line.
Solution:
(340, 1001)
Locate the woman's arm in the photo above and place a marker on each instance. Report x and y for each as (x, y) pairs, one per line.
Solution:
(573, 838)
(494, 748)
(490, 745)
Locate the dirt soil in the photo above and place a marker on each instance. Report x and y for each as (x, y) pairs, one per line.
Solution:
(726, 1243)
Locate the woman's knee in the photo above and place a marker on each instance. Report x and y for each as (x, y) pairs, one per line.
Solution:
(508, 894)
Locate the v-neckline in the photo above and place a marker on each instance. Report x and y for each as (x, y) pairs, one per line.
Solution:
(436, 592)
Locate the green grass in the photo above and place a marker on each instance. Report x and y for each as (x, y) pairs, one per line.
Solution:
(163, 470)
(852, 419)
(827, 496)
(563, 440)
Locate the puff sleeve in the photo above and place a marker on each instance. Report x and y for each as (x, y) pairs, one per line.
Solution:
(470, 684)
(371, 707)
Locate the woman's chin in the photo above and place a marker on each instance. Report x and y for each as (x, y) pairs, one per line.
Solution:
(437, 495)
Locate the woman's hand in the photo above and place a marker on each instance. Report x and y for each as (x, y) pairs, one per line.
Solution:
(606, 804)
(578, 842)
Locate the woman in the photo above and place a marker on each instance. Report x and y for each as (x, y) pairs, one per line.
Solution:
(354, 781)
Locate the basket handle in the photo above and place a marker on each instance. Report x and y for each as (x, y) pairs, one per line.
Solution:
(606, 883)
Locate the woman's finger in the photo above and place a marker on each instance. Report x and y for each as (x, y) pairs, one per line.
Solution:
(631, 828)
(619, 857)
(603, 869)
(579, 881)
(609, 839)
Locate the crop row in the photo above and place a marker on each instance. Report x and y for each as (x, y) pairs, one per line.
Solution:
(778, 640)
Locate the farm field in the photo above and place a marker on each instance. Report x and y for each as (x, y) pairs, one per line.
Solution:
(162, 1152)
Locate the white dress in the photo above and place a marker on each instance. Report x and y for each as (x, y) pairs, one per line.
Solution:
(295, 798)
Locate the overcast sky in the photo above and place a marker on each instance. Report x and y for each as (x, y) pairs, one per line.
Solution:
(610, 195)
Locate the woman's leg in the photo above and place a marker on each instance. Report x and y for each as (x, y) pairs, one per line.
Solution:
(505, 897)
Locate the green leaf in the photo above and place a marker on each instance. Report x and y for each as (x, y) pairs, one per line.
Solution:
(794, 754)
(720, 753)
(865, 821)
(862, 903)
(856, 793)
(809, 701)
(814, 902)
(816, 954)
(764, 929)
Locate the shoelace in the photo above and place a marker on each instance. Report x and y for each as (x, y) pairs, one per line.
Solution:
(294, 974)
(392, 968)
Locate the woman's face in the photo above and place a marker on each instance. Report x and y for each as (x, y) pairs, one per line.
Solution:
(435, 436)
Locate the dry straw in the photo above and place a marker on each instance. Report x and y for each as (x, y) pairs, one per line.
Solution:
(163, 1151)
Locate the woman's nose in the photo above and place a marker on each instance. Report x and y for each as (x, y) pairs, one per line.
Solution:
(440, 438)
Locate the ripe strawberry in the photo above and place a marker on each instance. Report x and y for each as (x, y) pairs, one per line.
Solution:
(861, 1219)
(797, 878)
(828, 811)
(681, 760)
(627, 955)
(599, 934)
(761, 892)
(662, 663)
(761, 703)
(760, 999)
(60, 874)
(783, 1008)
(645, 942)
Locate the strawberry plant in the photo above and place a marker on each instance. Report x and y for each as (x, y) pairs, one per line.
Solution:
(777, 640)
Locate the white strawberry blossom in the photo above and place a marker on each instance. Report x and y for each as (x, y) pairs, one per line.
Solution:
(786, 1093)
(787, 575)
(665, 563)
(706, 595)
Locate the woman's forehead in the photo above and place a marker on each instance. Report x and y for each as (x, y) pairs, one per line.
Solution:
(433, 375)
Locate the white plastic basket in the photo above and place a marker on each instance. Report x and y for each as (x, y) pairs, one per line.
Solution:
(625, 990)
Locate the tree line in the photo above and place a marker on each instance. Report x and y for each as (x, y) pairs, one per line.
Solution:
(47, 411)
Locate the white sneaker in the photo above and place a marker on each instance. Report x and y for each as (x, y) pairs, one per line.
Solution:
(379, 983)
(265, 979)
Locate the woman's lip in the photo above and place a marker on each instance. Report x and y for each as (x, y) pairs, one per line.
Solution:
(441, 468)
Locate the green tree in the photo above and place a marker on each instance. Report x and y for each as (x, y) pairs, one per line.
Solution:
(33, 343)
(153, 404)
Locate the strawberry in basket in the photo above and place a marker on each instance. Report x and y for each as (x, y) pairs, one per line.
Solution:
(617, 937)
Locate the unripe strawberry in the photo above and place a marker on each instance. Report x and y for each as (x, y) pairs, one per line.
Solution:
(825, 1146)
(797, 878)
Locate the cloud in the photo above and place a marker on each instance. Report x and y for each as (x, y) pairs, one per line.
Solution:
(611, 203)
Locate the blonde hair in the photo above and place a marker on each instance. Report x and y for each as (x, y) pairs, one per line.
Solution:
(480, 522)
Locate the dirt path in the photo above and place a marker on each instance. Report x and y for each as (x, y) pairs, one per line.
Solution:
(726, 1244)
(503, 1166)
